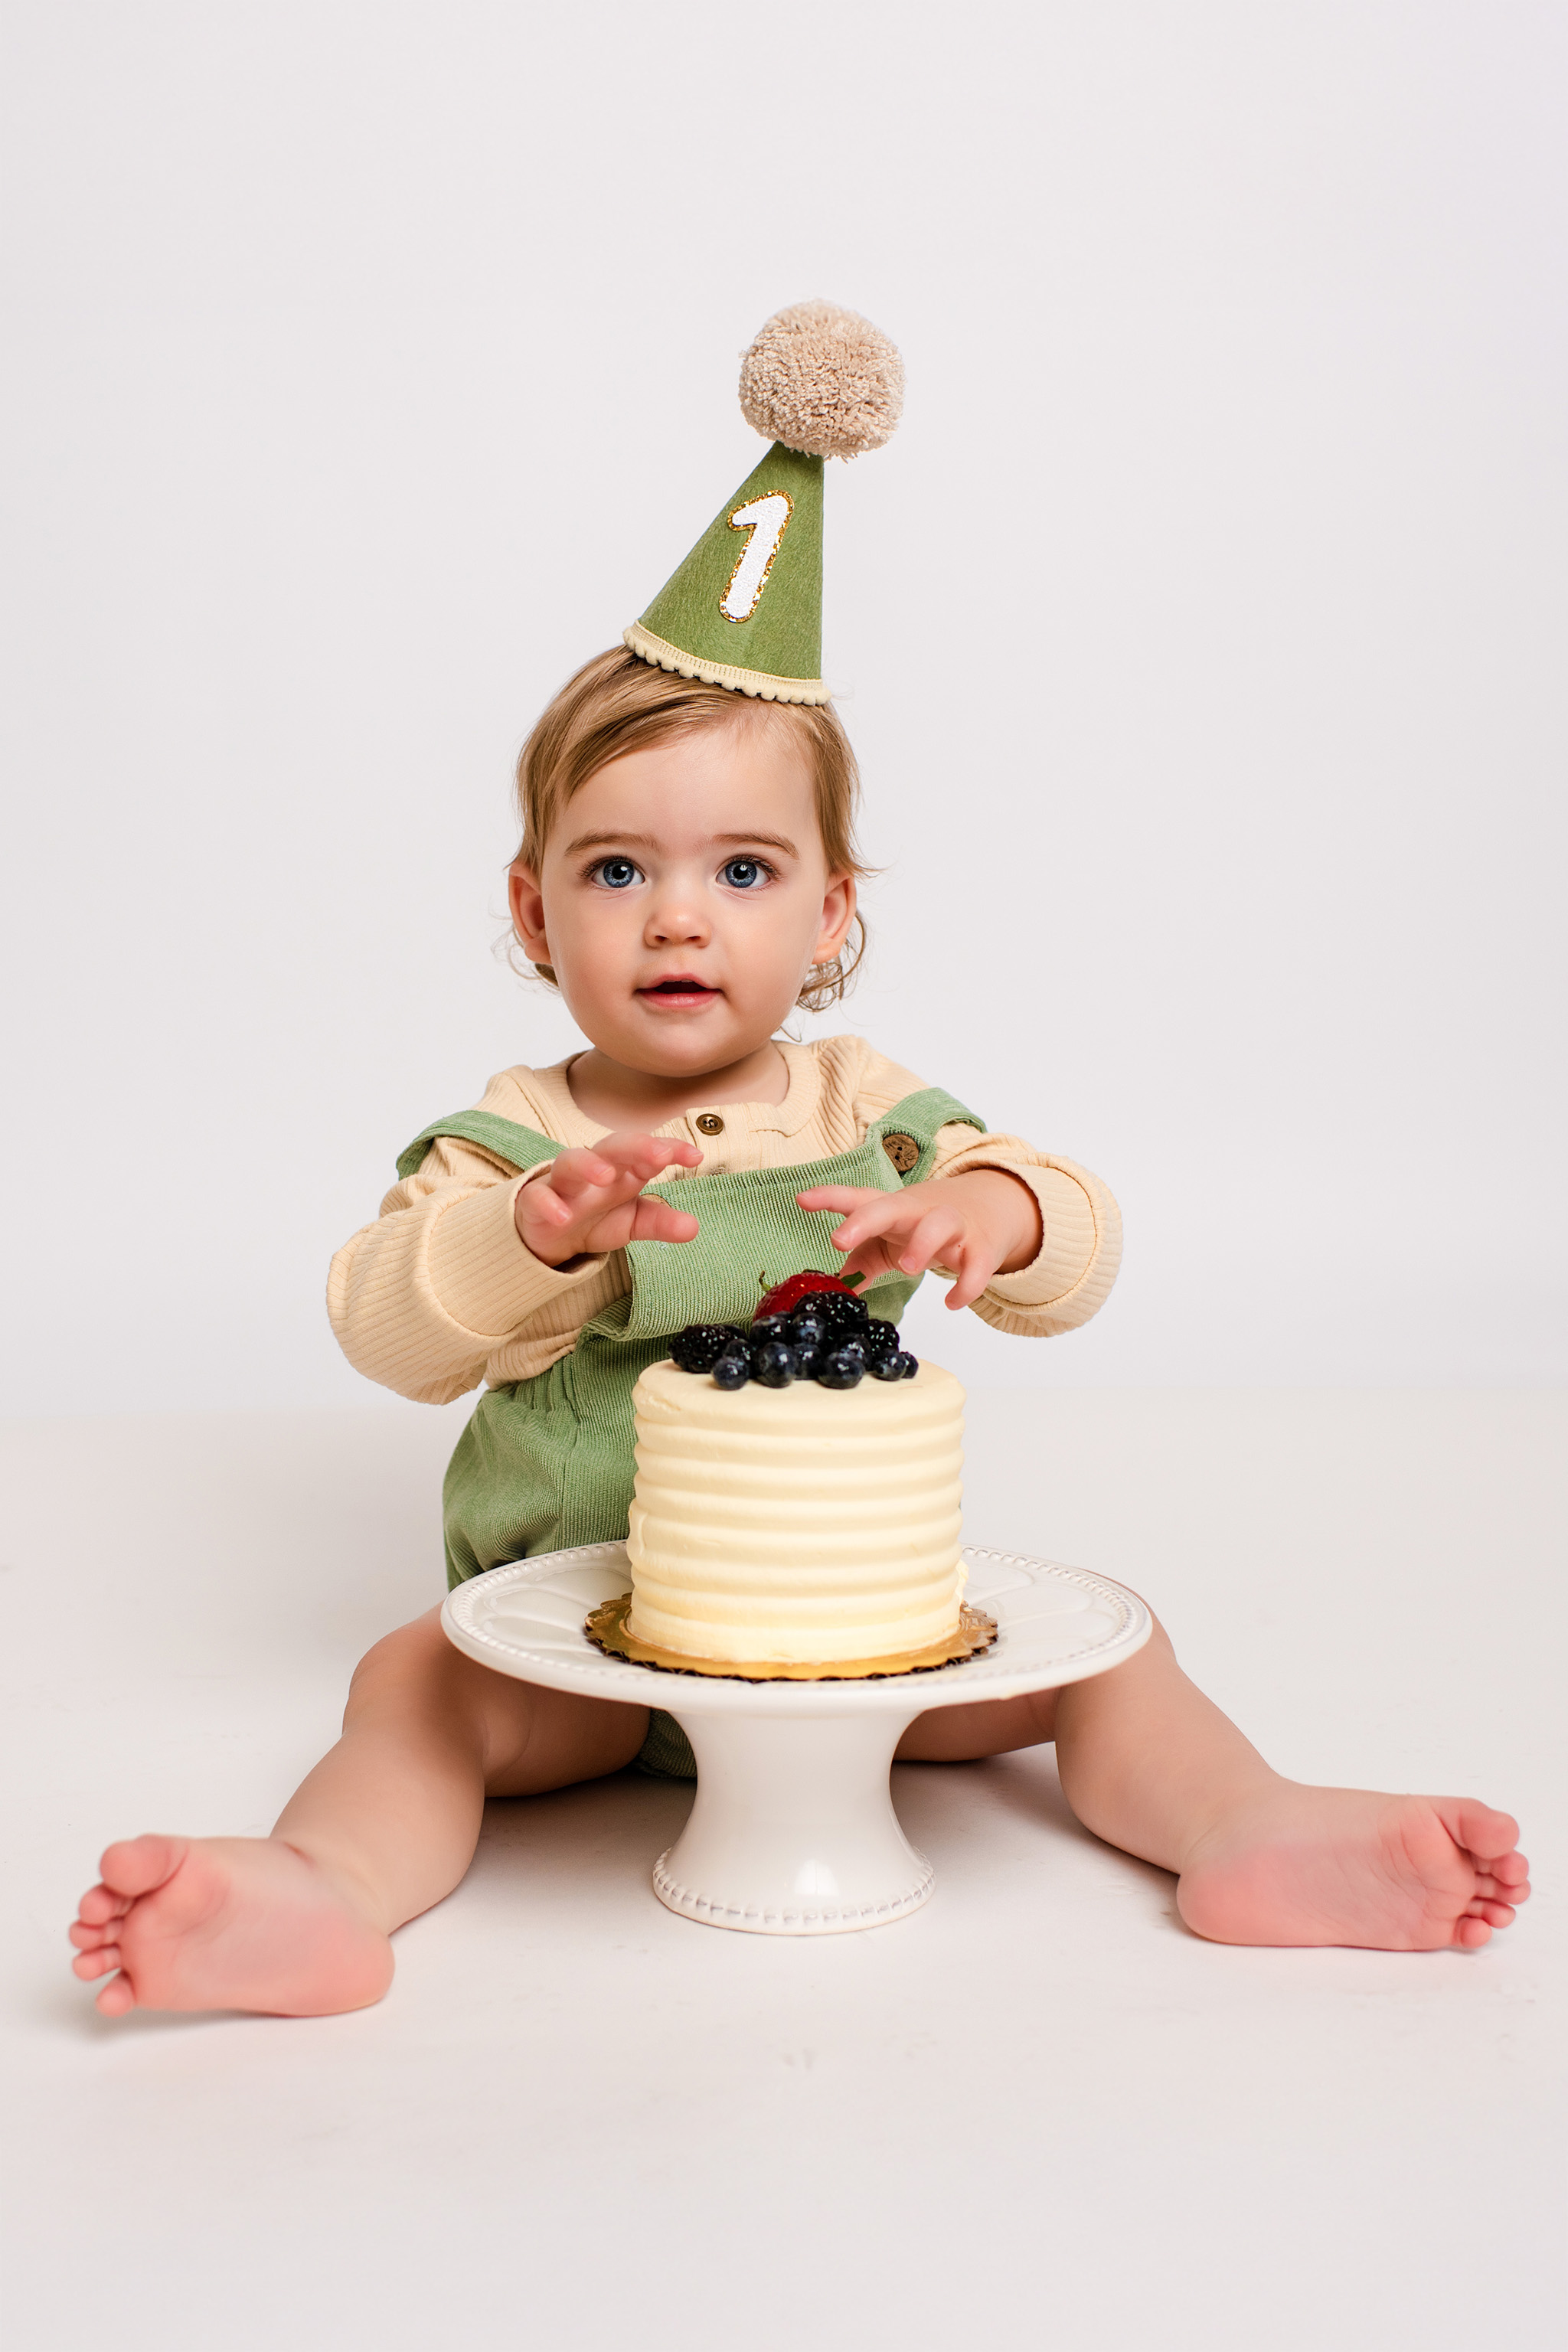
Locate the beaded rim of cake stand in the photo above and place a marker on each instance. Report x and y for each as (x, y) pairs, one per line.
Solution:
(605, 1627)
(715, 1913)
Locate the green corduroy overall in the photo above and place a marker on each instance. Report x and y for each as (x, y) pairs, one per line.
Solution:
(548, 1462)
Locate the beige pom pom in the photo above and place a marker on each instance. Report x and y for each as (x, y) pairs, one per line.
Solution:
(823, 381)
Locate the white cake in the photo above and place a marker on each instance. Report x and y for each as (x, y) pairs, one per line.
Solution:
(802, 1524)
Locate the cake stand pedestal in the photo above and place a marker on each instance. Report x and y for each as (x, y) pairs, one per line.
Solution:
(793, 1832)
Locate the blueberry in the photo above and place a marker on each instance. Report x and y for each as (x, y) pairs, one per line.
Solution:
(908, 1365)
(845, 1369)
(768, 1327)
(810, 1328)
(887, 1368)
(731, 1370)
(851, 1343)
(775, 1364)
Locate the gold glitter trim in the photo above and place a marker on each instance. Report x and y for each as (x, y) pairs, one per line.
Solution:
(606, 1629)
(738, 620)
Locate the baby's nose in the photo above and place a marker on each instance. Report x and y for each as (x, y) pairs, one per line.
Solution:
(677, 920)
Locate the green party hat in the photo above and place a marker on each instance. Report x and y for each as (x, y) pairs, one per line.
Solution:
(744, 610)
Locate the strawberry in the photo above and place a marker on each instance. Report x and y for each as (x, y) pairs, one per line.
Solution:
(786, 1294)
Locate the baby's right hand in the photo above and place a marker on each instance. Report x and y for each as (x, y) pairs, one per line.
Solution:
(591, 1201)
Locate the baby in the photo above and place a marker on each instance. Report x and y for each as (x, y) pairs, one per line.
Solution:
(688, 875)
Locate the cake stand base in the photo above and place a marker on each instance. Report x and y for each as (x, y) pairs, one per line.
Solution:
(793, 1832)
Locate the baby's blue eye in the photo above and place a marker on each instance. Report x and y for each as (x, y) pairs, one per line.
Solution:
(618, 873)
(745, 873)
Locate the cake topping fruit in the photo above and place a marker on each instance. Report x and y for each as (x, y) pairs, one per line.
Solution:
(774, 1364)
(826, 1336)
(698, 1348)
(784, 1296)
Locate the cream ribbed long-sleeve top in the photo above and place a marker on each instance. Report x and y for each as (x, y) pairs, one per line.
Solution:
(440, 1293)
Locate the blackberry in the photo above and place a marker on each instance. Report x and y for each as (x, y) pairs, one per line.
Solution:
(774, 1364)
(845, 1369)
(698, 1348)
(840, 1309)
(881, 1338)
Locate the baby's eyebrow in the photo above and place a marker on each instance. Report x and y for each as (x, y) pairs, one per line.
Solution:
(768, 840)
(611, 840)
(647, 841)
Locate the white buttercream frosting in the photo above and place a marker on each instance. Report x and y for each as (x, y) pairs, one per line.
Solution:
(802, 1524)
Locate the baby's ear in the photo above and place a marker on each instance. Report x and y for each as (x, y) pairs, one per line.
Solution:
(527, 903)
(838, 906)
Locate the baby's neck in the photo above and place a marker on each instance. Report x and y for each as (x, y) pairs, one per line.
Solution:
(617, 1095)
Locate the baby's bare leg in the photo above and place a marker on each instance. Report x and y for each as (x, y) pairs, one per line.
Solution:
(1150, 1765)
(298, 1924)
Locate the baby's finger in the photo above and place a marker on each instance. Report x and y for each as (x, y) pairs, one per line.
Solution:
(641, 1155)
(574, 1173)
(841, 1196)
(884, 1213)
(656, 1221)
(974, 1273)
(938, 1234)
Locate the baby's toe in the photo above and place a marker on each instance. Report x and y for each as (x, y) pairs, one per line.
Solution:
(1494, 1913)
(1495, 1888)
(116, 1998)
(101, 1903)
(1469, 1934)
(1482, 1831)
(136, 1865)
(88, 1965)
(87, 1937)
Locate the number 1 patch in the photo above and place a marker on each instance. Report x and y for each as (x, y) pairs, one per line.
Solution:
(764, 522)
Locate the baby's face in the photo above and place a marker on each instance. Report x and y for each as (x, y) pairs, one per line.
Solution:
(684, 896)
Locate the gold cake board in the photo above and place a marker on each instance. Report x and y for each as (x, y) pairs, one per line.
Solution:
(606, 1627)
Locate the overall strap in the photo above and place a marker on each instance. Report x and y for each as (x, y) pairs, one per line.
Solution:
(907, 1134)
(520, 1147)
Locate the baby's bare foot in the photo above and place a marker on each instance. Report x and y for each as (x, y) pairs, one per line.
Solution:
(1302, 1865)
(227, 1923)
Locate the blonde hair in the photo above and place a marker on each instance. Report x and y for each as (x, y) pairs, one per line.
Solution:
(618, 703)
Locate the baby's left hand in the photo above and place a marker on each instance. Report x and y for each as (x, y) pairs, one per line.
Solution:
(971, 1226)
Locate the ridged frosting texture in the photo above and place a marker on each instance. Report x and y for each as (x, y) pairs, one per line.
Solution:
(806, 1525)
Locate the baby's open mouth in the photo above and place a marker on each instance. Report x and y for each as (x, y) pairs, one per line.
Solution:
(680, 986)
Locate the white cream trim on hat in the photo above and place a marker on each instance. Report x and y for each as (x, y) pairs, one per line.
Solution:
(663, 655)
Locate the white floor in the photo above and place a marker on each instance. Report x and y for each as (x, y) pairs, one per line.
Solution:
(1038, 2111)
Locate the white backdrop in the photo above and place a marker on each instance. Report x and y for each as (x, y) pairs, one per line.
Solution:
(369, 365)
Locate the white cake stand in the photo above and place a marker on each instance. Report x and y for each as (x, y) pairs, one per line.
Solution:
(793, 1832)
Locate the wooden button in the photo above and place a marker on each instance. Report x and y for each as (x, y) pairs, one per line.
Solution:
(709, 1123)
(902, 1149)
